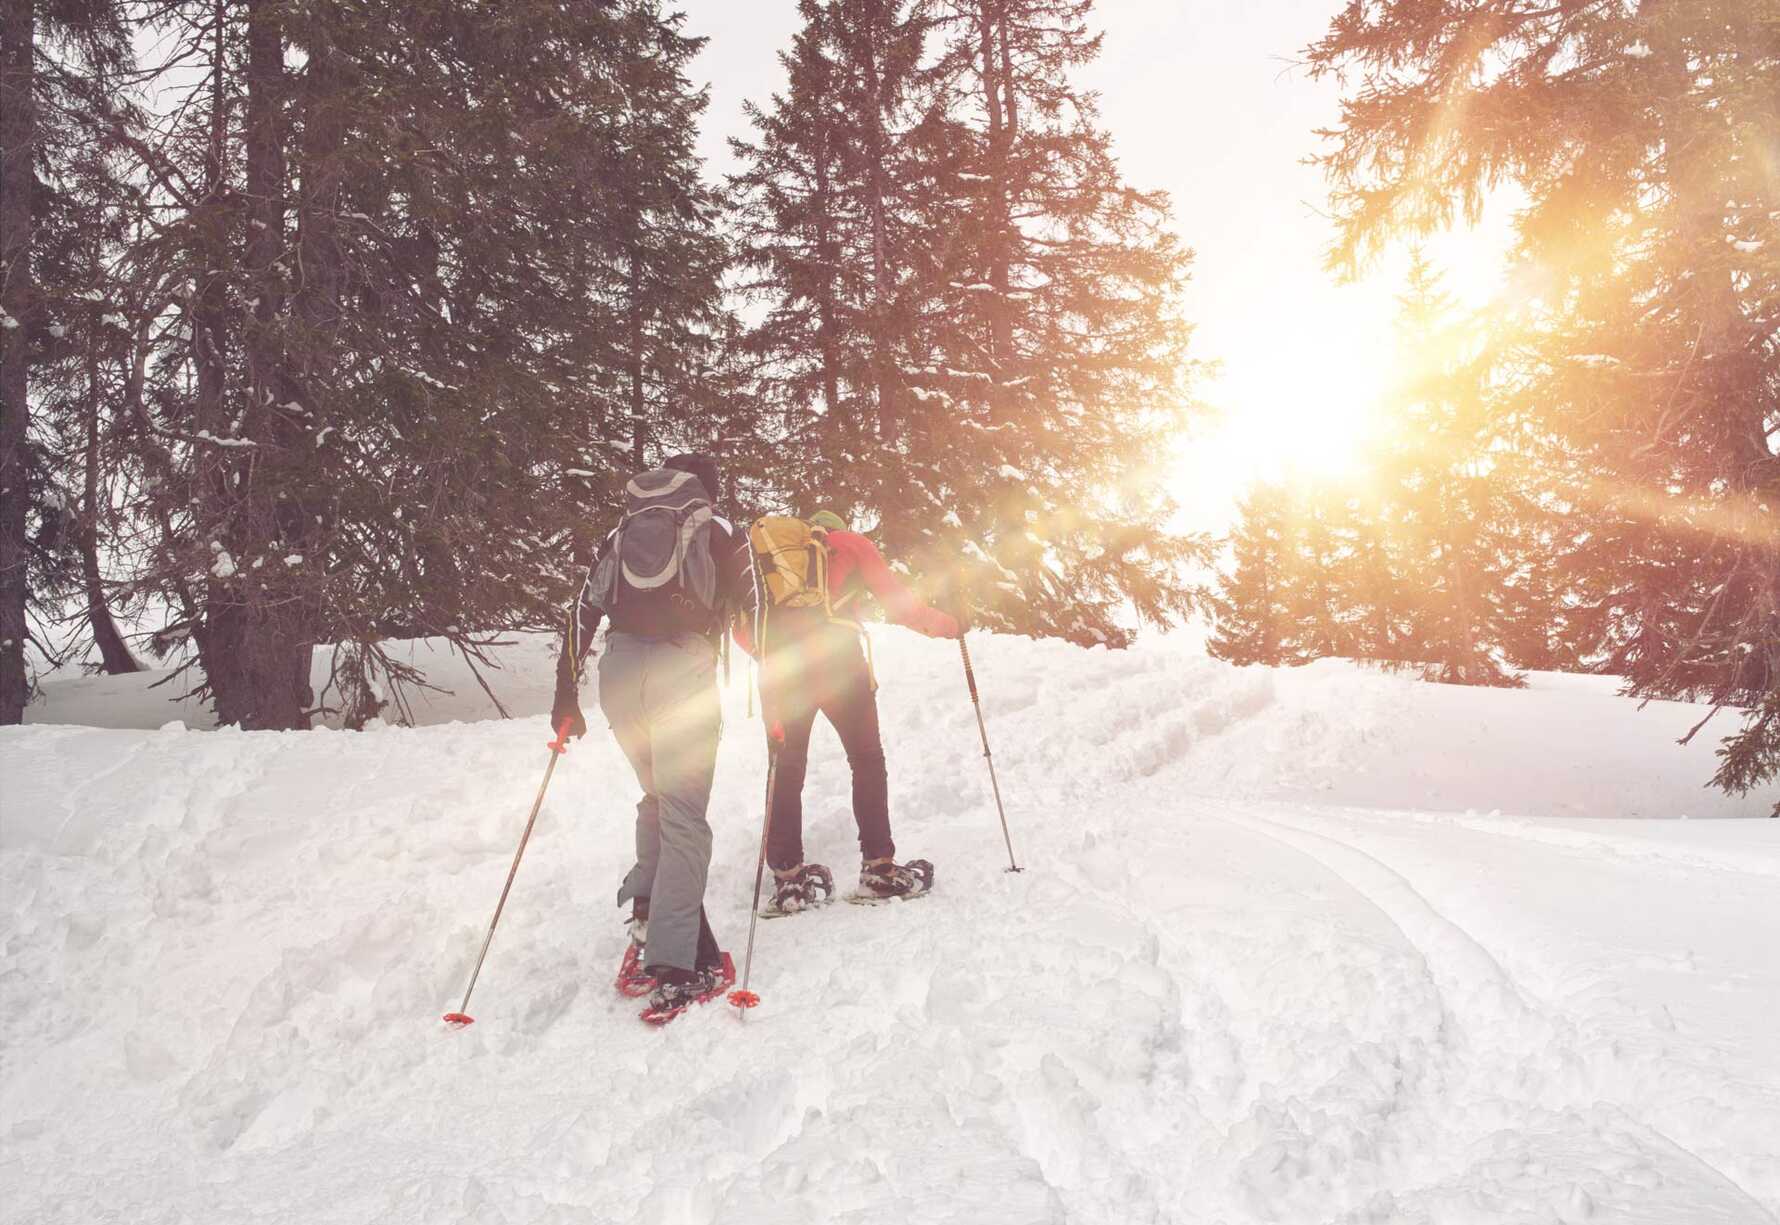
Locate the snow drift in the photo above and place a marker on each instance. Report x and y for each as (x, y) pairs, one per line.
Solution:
(1318, 945)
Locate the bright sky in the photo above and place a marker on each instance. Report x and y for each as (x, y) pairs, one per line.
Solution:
(1204, 102)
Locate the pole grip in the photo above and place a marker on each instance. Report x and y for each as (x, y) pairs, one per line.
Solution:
(970, 676)
(561, 743)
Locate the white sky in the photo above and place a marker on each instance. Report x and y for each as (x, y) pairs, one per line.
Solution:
(1202, 101)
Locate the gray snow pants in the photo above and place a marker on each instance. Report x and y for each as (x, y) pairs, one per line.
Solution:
(660, 696)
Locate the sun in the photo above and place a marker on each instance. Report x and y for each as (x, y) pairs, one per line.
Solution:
(1300, 436)
(1312, 413)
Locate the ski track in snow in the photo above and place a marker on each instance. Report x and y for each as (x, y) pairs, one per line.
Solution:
(1211, 997)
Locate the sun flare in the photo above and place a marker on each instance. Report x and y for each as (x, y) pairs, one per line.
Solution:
(1309, 416)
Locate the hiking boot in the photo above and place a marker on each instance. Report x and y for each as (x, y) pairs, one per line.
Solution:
(880, 880)
(677, 990)
(799, 888)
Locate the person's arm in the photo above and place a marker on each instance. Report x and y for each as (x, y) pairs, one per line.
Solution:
(735, 583)
(583, 622)
(900, 604)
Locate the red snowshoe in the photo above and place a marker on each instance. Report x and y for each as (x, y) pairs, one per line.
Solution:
(674, 994)
(634, 981)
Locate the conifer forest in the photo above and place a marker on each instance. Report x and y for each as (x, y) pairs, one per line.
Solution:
(334, 324)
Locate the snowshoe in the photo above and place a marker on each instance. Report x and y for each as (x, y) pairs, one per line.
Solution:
(801, 888)
(881, 880)
(676, 992)
(633, 980)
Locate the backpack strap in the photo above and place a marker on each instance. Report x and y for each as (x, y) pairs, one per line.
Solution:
(831, 607)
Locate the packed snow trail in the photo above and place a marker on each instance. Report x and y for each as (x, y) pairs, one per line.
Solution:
(1208, 999)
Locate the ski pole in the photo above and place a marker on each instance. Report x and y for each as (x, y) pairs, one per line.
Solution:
(557, 747)
(970, 678)
(742, 997)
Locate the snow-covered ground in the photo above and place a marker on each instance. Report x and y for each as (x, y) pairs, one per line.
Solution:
(1310, 946)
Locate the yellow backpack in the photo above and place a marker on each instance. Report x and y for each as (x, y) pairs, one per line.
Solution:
(793, 562)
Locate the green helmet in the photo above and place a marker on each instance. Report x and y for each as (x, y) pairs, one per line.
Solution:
(828, 519)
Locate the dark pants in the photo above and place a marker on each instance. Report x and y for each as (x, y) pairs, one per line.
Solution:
(823, 670)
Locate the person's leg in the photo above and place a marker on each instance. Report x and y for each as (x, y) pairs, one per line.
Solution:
(709, 955)
(621, 672)
(684, 719)
(784, 839)
(852, 708)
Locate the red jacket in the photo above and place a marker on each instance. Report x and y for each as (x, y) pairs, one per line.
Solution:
(854, 564)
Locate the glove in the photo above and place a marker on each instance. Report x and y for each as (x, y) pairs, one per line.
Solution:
(570, 710)
(961, 614)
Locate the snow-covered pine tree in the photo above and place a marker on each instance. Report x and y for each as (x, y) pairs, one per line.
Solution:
(18, 321)
(1537, 617)
(667, 264)
(386, 308)
(1319, 534)
(1449, 516)
(1251, 610)
(826, 246)
(1048, 370)
(1376, 608)
(970, 333)
(1641, 134)
(77, 354)
(83, 364)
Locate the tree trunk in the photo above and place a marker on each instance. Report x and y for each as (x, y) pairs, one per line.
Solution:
(639, 422)
(211, 492)
(883, 358)
(257, 640)
(998, 103)
(1268, 621)
(18, 132)
(829, 260)
(114, 655)
(265, 197)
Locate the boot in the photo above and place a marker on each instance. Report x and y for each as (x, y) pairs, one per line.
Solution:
(883, 879)
(677, 990)
(799, 888)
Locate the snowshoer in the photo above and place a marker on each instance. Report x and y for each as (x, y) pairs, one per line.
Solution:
(667, 579)
(813, 660)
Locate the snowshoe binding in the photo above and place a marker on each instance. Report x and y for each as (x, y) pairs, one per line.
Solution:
(804, 887)
(677, 990)
(633, 980)
(883, 880)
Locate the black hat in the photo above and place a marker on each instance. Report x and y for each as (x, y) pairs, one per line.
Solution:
(700, 465)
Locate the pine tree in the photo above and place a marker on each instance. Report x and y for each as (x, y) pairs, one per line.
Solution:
(1640, 134)
(1320, 626)
(669, 259)
(1416, 561)
(1444, 504)
(1372, 599)
(1048, 366)
(969, 338)
(415, 277)
(18, 320)
(53, 56)
(82, 364)
(826, 241)
(1251, 610)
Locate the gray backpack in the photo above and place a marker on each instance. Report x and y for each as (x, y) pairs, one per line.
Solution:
(660, 549)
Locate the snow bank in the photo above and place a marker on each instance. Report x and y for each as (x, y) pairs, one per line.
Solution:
(1332, 732)
(1269, 962)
